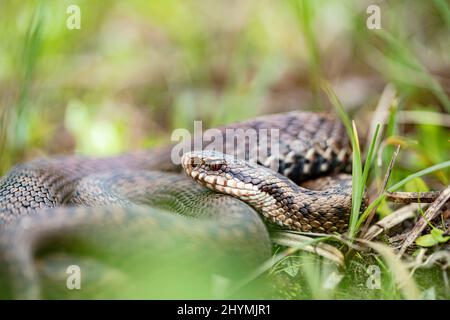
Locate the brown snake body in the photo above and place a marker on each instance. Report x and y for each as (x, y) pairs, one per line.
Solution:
(311, 145)
(47, 199)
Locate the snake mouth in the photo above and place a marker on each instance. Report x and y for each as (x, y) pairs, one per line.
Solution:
(212, 170)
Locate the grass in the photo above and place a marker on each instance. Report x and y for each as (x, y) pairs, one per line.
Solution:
(400, 184)
(359, 175)
(398, 271)
(137, 70)
(405, 61)
(16, 133)
(444, 9)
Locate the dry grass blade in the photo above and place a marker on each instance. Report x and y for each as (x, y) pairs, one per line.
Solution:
(391, 220)
(442, 257)
(381, 191)
(430, 214)
(410, 197)
(322, 249)
(381, 112)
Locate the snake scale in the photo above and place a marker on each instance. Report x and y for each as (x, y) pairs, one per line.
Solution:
(141, 198)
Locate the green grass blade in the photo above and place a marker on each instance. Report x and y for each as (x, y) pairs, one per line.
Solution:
(357, 183)
(407, 58)
(423, 172)
(371, 154)
(357, 174)
(399, 184)
(444, 10)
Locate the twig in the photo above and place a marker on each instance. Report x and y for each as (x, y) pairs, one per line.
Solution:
(429, 215)
(391, 220)
(382, 189)
(412, 197)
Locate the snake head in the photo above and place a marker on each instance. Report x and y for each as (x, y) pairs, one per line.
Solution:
(221, 172)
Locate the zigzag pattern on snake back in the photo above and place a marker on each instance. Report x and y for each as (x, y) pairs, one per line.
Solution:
(310, 145)
(49, 198)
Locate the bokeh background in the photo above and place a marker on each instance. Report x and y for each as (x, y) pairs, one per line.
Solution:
(138, 69)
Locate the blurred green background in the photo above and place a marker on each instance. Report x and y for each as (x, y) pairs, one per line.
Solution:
(137, 69)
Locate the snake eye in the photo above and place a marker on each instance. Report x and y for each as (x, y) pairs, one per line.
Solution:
(215, 166)
(195, 161)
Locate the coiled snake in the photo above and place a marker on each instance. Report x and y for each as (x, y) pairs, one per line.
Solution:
(132, 196)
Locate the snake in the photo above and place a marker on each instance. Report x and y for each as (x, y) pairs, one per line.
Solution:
(216, 199)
